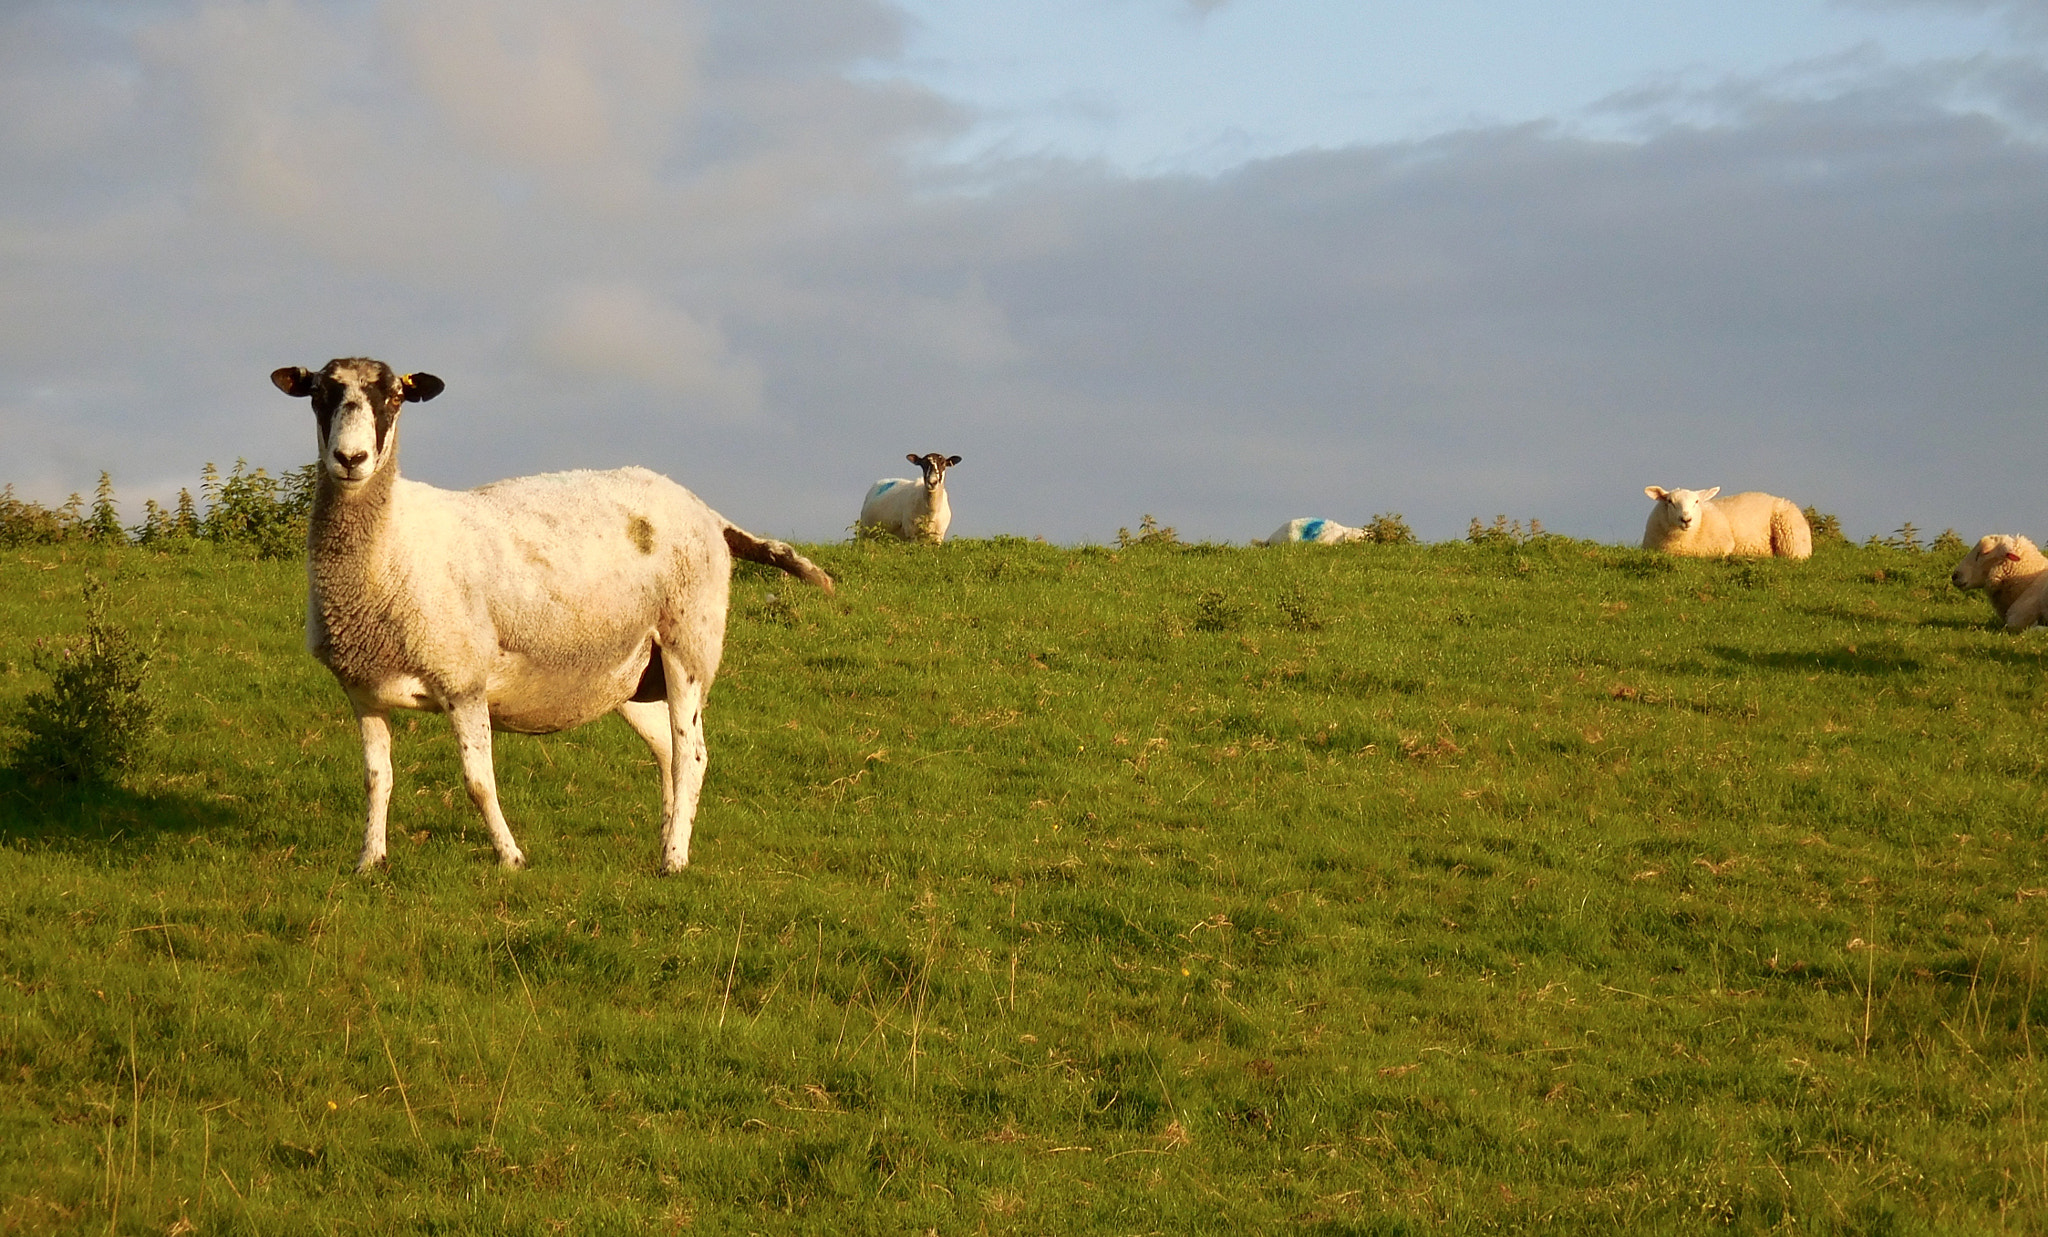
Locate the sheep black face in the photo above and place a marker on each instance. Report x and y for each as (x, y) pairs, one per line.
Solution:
(934, 466)
(356, 401)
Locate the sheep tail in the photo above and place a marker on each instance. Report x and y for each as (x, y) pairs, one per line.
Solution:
(1791, 536)
(744, 544)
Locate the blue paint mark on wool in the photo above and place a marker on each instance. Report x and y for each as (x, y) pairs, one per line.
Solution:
(886, 486)
(1312, 530)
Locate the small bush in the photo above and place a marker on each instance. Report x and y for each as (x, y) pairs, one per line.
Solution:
(28, 523)
(258, 512)
(1214, 611)
(1149, 533)
(1503, 533)
(86, 726)
(1949, 544)
(1827, 529)
(1388, 528)
(1298, 608)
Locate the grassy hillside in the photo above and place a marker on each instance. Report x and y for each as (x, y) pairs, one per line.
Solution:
(1356, 890)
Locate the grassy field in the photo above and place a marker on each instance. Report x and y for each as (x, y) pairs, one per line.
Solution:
(1041, 889)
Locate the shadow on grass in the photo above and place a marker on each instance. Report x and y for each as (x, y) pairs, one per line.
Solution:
(82, 818)
(1866, 663)
(1982, 622)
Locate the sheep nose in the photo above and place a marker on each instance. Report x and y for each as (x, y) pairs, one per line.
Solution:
(350, 459)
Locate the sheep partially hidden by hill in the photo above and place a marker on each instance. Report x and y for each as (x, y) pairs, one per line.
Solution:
(1694, 522)
(2012, 573)
(530, 605)
(912, 510)
(1312, 531)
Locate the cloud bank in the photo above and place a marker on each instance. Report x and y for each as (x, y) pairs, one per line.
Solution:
(708, 238)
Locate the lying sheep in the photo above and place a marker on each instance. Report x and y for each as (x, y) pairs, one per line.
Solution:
(2013, 574)
(530, 605)
(1695, 523)
(912, 510)
(1313, 531)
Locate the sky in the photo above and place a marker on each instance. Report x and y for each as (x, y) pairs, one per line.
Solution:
(1225, 262)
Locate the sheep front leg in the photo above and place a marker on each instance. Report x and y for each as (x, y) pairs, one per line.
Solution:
(376, 728)
(472, 721)
(686, 774)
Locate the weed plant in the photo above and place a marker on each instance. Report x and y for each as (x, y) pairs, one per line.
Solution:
(1561, 888)
(89, 723)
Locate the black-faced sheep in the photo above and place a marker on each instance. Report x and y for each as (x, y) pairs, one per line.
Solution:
(530, 605)
(912, 510)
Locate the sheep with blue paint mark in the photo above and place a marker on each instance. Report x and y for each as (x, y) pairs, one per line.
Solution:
(912, 510)
(1313, 531)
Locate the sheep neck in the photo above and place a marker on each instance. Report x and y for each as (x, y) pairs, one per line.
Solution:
(348, 538)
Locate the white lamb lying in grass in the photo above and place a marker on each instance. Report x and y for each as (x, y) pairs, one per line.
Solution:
(1695, 523)
(1311, 531)
(2013, 574)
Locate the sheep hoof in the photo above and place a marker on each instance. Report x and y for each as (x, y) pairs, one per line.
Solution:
(671, 865)
(514, 862)
(371, 863)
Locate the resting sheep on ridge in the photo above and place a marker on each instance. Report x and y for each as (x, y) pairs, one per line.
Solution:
(1695, 523)
(903, 508)
(1310, 531)
(2013, 574)
(530, 605)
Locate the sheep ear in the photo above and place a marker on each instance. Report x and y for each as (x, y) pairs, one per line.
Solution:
(952, 460)
(2012, 556)
(1707, 494)
(419, 388)
(1655, 491)
(914, 458)
(293, 380)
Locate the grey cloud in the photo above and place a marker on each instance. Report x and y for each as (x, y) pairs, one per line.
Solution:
(688, 237)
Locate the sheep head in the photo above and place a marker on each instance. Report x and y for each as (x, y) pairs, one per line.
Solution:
(934, 466)
(356, 402)
(1991, 560)
(1682, 507)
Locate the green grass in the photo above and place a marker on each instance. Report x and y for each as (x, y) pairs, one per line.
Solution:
(1040, 889)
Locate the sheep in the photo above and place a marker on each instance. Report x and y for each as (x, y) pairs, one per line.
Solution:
(1312, 531)
(903, 508)
(2013, 574)
(1695, 523)
(530, 605)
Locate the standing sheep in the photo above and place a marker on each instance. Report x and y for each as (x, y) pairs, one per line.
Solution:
(530, 605)
(900, 507)
(2013, 574)
(1695, 523)
(1312, 531)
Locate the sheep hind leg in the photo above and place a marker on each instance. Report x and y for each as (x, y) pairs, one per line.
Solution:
(376, 729)
(649, 720)
(686, 774)
(472, 724)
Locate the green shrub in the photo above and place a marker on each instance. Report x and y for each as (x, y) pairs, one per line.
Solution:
(253, 510)
(1389, 528)
(87, 725)
(1150, 532)
(28, 523)
(1826, 528)
(1502, 532)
